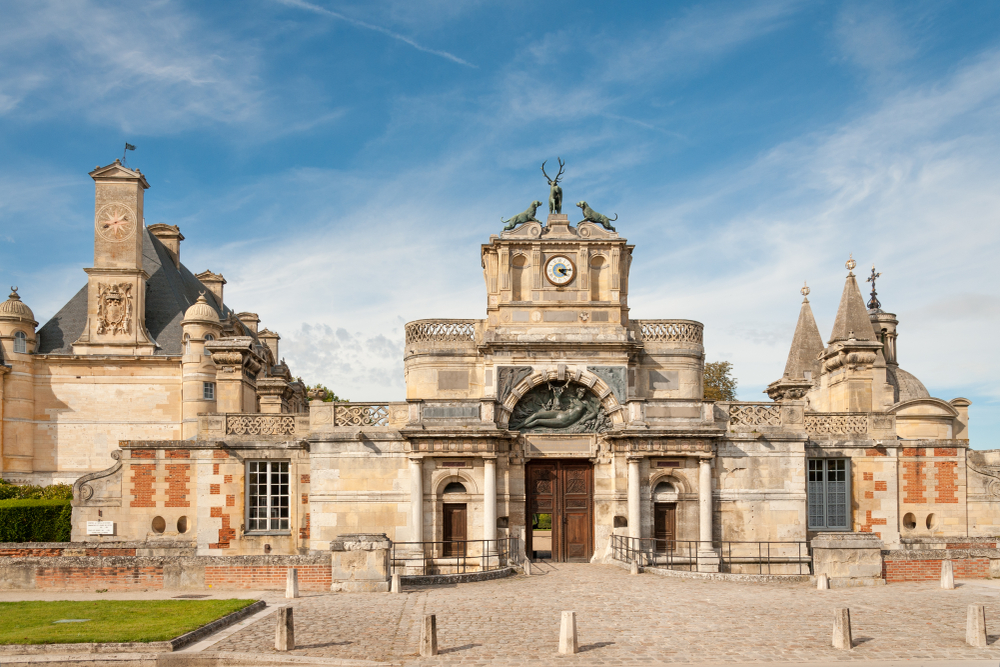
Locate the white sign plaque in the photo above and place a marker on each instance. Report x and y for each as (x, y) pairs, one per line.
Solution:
(100, 527)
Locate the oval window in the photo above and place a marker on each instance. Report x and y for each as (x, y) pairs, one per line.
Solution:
(909, 521)
(159, 524)
(931, 522)
(182, 525)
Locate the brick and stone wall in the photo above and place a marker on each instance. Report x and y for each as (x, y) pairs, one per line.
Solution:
(922, 564)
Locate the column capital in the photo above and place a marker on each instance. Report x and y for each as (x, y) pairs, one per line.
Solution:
(634, 459)
(416, 458)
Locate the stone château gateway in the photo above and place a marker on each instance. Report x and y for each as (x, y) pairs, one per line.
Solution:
(558, 419)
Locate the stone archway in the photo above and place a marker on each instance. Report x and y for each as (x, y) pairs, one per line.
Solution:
(608, 401)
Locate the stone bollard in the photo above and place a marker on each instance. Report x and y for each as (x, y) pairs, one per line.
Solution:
(633, 567)
(842, 629)
(567, 634)
(397, 583)
(527, 566)
(975, 626)
(823, 582)
(292, 583)
(428, 636)
(947, 575)
(284, 634)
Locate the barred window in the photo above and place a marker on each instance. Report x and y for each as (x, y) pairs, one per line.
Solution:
(208, 391)
(828, 494)
(267, 496)
(20, 342)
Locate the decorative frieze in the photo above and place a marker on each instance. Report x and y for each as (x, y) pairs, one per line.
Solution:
(754, 414)
(361, 414)
(836, 423)
(662, 446)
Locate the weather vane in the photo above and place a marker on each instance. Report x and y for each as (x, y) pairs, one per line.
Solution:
(873, 303)
(128, 147)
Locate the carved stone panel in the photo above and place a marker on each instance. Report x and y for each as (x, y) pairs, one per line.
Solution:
(616, 377)
(114, 308)
(508, 377)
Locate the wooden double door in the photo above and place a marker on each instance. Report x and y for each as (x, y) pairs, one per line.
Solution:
(560, 504)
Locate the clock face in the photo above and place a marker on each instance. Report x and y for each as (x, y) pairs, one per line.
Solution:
(560, 270)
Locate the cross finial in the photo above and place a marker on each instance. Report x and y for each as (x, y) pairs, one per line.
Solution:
(873, 303)
(805, 289)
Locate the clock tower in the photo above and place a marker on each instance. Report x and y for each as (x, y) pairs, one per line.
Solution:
(557, 275)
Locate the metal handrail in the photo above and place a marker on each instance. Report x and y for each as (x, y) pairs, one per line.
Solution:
(462, 555)
(683, 554)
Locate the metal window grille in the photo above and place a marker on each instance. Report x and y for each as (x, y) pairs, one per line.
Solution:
(20, 342)
(208, 391)
(268, 496)
(828, 494)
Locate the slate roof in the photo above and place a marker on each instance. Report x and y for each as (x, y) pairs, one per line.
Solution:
(169, 292)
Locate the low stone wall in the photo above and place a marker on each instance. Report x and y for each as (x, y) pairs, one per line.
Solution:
(124, 573)
(925, 564)
(54, 549)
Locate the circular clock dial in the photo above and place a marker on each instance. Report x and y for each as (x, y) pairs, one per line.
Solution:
(115, 222)
(560, 270)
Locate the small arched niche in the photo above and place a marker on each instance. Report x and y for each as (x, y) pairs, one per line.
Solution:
(664, 491)
(453, 488)
(599, 279)
(519, 278)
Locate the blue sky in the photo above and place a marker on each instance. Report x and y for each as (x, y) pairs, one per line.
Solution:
(341, 162)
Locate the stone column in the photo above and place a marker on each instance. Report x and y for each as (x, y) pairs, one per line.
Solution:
(708, 558)
(490, 502)
(634, 506)
(417, 499)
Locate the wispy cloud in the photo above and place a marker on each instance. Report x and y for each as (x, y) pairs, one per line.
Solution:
(302, 4)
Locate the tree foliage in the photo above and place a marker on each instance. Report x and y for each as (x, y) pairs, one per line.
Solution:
(331, 396)
(720, 385)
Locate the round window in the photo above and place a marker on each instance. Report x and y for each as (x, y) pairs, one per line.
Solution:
(159, 524)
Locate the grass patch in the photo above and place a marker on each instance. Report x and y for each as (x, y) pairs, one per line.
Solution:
(109, 620)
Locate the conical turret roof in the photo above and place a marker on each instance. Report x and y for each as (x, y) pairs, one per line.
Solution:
(852, 316)
(807, 343)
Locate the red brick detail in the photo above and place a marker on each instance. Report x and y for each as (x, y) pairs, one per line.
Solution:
(215, 468)
(214, 489)
(220, 454)
(913, 482)
(267, 577)
(226, 533)
(143, 454)
(947, 481)
(114, 578)
(100, 552)
(866, 527)
(228, 479)
(878, 451)
(869, 476)
(305, 498)
(178, 453)
(30, 552)
(142, 485)
(945, 451)
(929, 570)
(881, 486)
(869, 494)
(304, 479)
(178, 479)
(970, 545)
(912, 451)
(304, 531)
(230, 501)
(216, 512)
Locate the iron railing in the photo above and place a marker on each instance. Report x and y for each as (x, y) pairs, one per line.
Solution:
(453, 556)
(735, 557)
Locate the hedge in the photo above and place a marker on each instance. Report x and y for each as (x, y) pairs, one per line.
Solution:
(35, 520)
(10, 491)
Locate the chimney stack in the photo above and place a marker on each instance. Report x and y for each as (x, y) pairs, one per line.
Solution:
(171, 237)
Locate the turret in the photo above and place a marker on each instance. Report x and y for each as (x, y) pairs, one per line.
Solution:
(17, 397)
(200, 325)
(802, 370)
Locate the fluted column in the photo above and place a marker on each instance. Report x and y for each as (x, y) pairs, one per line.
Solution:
(417, 498)
(490, 502)
(634, 506)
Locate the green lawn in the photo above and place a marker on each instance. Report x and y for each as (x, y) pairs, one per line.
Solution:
(109, 620)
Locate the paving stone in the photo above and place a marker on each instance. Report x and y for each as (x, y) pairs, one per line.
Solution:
(631, 620)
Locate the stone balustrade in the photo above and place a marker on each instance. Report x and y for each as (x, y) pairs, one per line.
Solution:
(252, 425)
(791, 415)
(363, 415)
(663, 331)
(441, 331)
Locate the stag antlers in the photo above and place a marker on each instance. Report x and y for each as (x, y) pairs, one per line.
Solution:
(554, 181)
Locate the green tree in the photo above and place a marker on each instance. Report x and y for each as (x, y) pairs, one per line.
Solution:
(331, 397)
(720, 385)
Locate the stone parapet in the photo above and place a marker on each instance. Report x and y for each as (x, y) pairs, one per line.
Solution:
(360, 563)
(847, 555)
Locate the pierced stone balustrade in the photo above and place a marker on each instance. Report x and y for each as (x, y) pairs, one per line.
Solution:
(669, 331)
(441, 331)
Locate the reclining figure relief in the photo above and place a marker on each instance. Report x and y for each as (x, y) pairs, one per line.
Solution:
(550, 408)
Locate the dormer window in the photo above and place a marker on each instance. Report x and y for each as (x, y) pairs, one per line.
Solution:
(20, 343)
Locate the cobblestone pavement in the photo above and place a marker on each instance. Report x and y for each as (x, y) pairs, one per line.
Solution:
(625, 619)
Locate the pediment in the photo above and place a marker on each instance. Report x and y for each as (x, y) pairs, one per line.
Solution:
(923, 407)
(116, 170)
